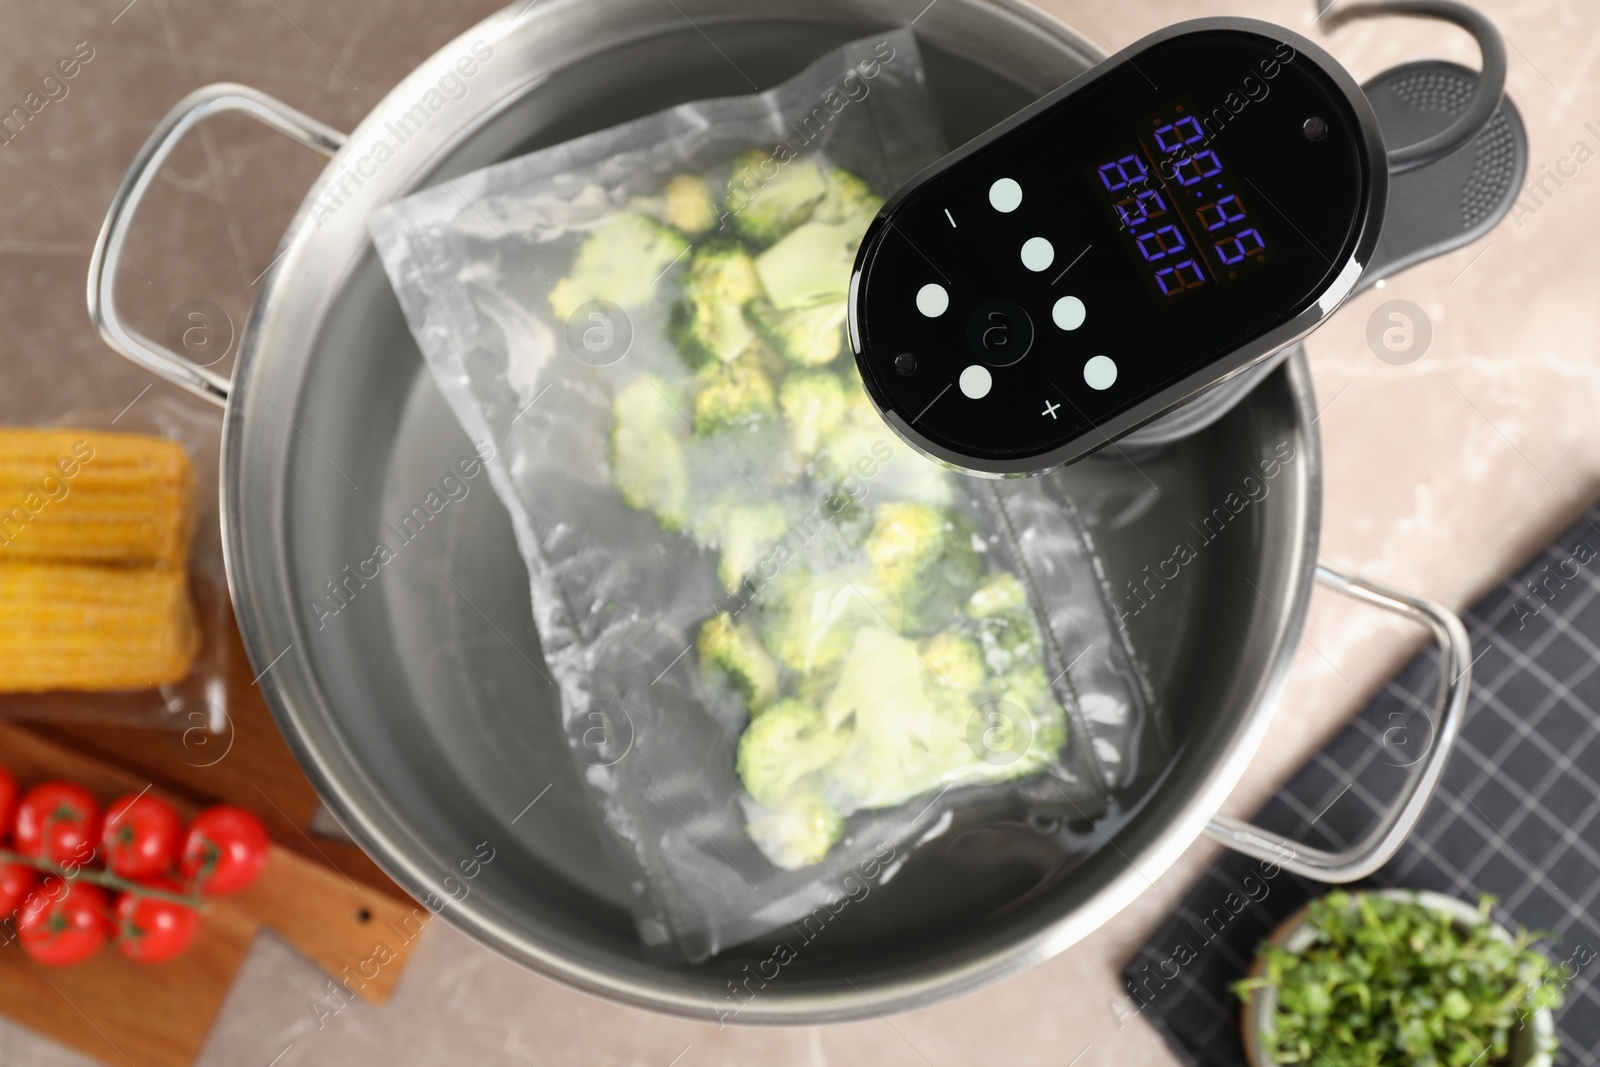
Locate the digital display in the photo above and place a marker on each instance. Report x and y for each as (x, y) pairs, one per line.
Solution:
(1180, 210)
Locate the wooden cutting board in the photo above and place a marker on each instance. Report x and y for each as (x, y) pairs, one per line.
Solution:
(157, 1015)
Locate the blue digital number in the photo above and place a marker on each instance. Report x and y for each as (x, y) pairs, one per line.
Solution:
(1174, 136)
(1242, 244)
(1180, 276)
(1126, 171)
(1160, 243)
(1140, 208)
(1221, 214)
(1197, 168)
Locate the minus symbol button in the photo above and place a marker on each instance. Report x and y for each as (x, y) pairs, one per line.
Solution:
(950, 217)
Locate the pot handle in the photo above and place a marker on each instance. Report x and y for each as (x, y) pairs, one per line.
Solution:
(190, 111)
(1367, 855)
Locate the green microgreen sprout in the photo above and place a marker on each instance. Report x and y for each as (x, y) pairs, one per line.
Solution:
(1394, 983)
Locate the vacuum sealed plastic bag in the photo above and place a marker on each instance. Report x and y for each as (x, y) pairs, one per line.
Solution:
(784, 641)
(148, 647)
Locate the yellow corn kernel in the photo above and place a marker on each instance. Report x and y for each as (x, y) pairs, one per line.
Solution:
(87, 496)
(66, 626)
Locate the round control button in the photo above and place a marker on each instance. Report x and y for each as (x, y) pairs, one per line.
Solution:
(1005, 195)
(1100, 372)
(999, 333)
(932, 300)
(1068, 313)
(1037, 253)
(976, 382)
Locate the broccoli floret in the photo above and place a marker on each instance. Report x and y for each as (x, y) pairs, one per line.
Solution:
(689, 205)
(898, 472)
(953, 660)
(1007, 630)
(733, 650)
(905, 538)
(797, 834)
(810, 619)
(910, 737)
(767, 198)
(1028, 689)
(1000, 594)
(783, 745)
(742, 532)
(806, 277)
(813, 403)
(806, 336)
(811, 265)
(1008, 641)
(886, 732)
(847, 200)
(708, 323)
(842, 449)
(904, 475)
(648, 466)
(736, 395)
(903, 742)
(882, 671)
(620, 262)
(925, 557)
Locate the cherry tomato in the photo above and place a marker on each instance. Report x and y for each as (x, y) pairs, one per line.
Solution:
(15, 881)
(8, 801)
(151, 930)
(224, 851)
(59, 821)
(67, 928)
(141, 836)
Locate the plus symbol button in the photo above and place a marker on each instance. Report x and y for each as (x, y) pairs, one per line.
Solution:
(1050, 409)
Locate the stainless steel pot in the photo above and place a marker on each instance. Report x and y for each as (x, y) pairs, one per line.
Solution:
(420, 712)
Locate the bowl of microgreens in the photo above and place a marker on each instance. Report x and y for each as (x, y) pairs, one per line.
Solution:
(1394, 978)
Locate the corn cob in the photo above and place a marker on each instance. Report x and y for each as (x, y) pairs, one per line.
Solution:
(91, 497)
(65, 626)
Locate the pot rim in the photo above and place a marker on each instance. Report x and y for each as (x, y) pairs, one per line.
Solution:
(294, 695)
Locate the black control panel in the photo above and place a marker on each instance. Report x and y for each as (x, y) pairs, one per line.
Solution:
(1169, 218)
